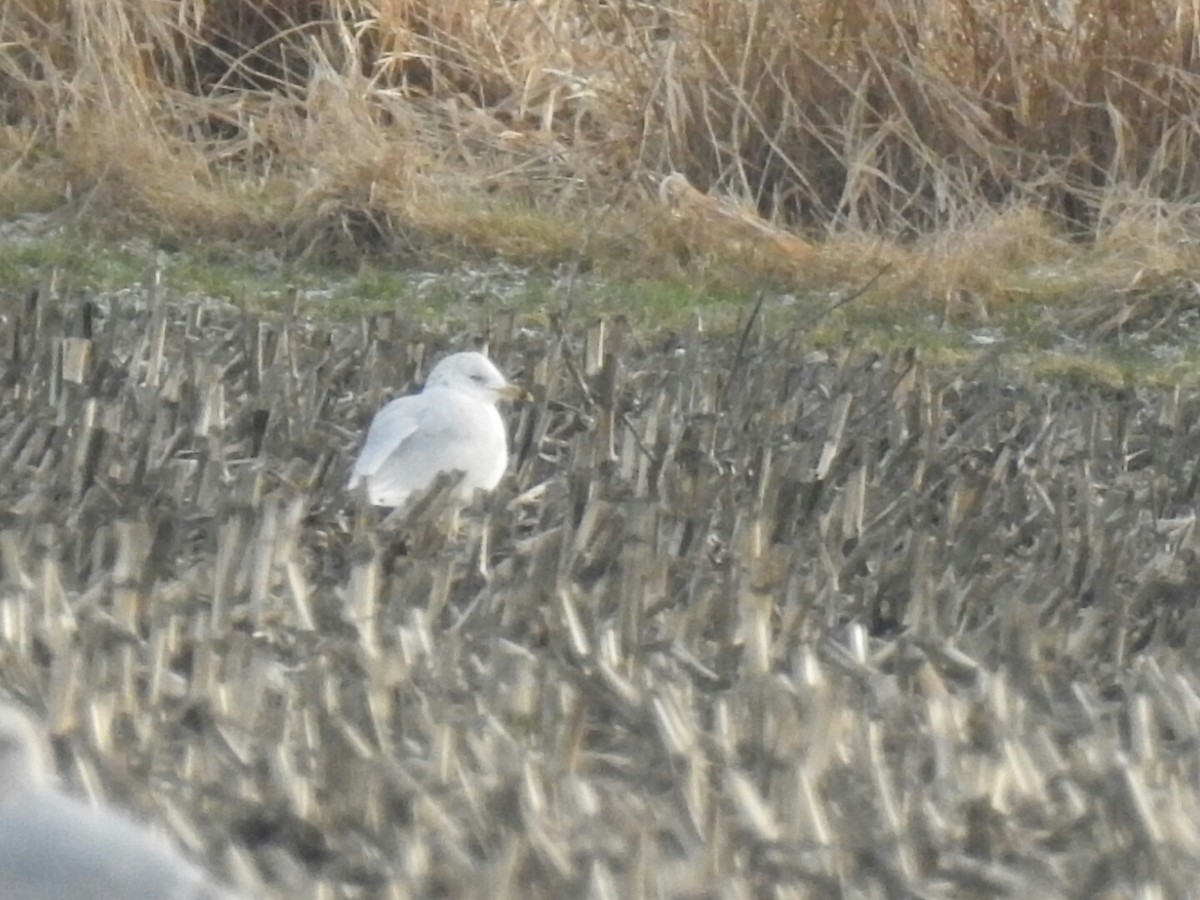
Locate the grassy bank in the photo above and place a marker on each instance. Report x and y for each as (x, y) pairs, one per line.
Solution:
(982, 154)
(1139, 335)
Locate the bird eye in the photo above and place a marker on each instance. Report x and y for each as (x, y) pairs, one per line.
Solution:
(477, 377)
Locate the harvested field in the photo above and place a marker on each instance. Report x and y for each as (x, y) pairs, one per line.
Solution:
(757, 621)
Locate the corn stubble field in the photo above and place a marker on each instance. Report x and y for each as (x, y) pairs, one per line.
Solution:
(753, 622)
(745, 619)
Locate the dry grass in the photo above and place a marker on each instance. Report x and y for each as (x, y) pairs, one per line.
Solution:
(756, 624)
(540, 130)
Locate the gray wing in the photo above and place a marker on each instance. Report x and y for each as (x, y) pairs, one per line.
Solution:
(56, 848)
(391, 426)
(443, 433)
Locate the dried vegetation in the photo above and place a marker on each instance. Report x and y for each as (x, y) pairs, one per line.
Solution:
(990, 132)
(754, 623)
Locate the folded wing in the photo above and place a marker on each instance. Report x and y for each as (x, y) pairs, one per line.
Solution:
(390, 428)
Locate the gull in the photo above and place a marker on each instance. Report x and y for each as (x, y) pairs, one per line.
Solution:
(452, 426)
(54, 847)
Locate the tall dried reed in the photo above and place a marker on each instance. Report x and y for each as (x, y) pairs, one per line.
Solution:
(334, 119)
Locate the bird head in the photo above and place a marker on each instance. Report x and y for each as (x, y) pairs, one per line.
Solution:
(473, 373)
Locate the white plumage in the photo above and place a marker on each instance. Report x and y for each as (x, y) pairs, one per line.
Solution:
(451, 426)
(54, 847)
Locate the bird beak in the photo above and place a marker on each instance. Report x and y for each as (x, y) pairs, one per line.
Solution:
(515, 392)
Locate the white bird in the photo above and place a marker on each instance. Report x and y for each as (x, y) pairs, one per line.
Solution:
(54, 847)
(451, 426)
